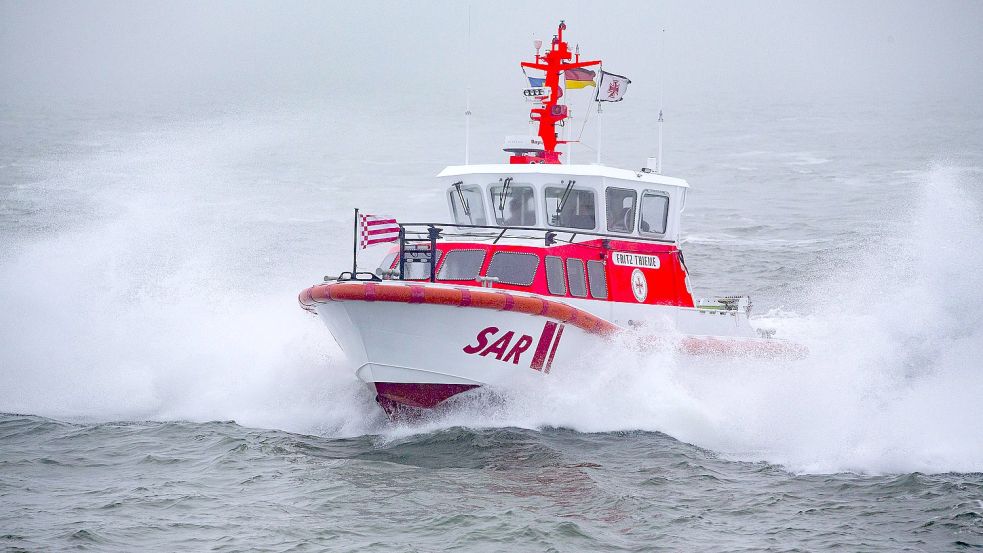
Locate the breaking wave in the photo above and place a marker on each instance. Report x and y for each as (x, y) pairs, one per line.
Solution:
(164, 308)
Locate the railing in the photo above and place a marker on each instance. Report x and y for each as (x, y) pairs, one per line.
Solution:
(418, 241)
(549, 234)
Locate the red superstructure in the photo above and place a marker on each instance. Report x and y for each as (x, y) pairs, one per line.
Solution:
(667, 285)
(551, 112)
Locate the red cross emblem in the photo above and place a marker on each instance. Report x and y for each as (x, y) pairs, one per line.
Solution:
(613, 89)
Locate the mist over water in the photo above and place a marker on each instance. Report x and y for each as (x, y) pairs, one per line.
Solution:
(172, 176)
(167, 292)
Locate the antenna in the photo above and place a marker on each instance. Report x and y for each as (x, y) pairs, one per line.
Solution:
(662, 101)
(467, 96)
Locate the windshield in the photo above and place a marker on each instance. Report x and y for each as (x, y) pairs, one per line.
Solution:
(467, 207)
(513, 206)
(570, 207)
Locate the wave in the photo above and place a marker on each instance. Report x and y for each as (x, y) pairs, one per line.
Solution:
(179, 304)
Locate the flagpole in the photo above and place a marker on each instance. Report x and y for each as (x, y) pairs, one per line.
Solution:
(355, 245)
(597, 98)
(599, 135)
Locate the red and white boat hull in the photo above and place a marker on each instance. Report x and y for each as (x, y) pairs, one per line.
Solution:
(420, 344)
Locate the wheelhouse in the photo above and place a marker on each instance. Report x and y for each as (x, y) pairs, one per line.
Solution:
(580, 199)
(582, 232)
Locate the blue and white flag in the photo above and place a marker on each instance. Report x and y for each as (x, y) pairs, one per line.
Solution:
(536, 79)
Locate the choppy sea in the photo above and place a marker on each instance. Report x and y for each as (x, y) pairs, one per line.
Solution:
(161, 390)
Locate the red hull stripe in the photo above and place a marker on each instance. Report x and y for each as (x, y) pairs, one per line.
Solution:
(543, 346)
(549, 362)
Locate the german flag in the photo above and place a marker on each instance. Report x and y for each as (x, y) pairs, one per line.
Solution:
(579, 78)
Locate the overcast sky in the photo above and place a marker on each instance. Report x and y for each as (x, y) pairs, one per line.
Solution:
(760, 51)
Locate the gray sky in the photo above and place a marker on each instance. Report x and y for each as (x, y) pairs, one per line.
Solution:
(123, 52)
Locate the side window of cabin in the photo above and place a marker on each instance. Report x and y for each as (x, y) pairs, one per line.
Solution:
(570, 207)
(556, 279)
(514, 205)
(461, 265)
(513, 268)
(621, 209)
(598, 280)
(416, 265)
(467, 206)
(654, 213)
(575, 272)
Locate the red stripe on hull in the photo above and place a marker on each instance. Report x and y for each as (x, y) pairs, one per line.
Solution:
(556, 343)
(543, 346)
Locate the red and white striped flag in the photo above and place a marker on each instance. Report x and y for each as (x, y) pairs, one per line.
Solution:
(376, 230)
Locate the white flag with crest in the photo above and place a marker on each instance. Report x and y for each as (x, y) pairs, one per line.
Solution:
(612, 87)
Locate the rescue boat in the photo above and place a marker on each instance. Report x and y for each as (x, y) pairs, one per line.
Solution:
(542, 263)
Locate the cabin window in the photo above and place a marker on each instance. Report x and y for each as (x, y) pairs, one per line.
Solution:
(556, 279)
(598, 280)
(416, 264)
(461, 265)
(518, 269)
(621, 209)
(654, 213)
(514, 205)
(575, 273)
(570, 207)
(467, 207)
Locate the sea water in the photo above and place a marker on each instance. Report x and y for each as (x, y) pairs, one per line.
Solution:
(162, 390)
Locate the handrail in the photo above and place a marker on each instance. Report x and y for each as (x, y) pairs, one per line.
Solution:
(432, 232)
(499, 229)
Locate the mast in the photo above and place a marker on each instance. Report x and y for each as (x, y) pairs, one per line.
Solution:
(551, 112)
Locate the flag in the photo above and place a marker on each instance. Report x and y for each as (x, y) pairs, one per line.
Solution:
(535, 81)
(376, 230)
(579, 78)
(612, 87)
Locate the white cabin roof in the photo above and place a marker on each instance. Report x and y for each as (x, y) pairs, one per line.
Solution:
(560, 169)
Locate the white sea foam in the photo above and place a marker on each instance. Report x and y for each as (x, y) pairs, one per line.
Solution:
(165, 307)
(158, 310)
